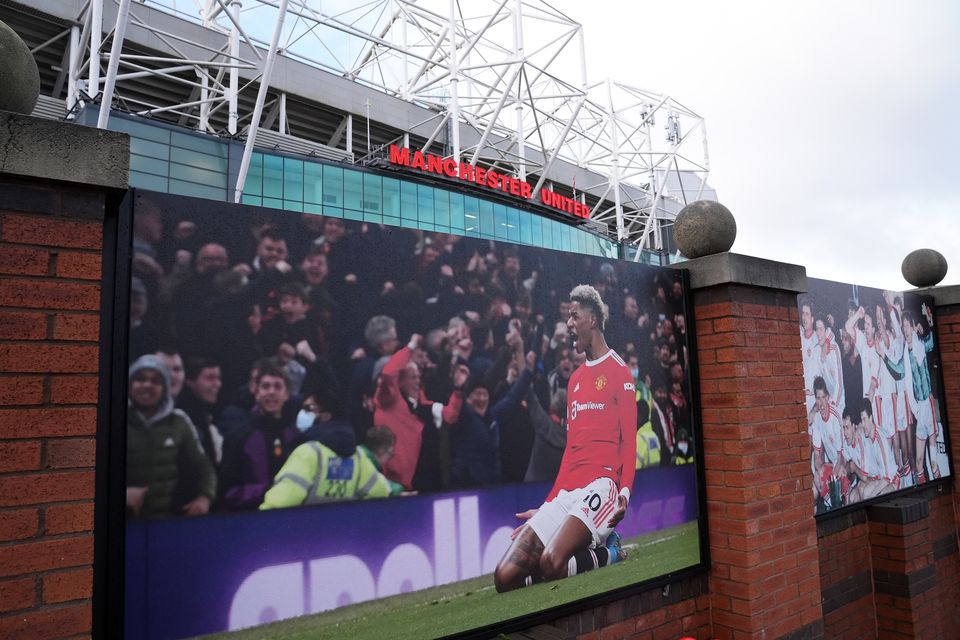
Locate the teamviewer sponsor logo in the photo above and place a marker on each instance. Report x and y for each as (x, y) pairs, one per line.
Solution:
(576, 407)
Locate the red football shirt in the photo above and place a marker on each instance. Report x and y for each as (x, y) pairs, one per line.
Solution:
(601, 426)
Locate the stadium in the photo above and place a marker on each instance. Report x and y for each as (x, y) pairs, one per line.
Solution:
(241, 102)
(263, 261)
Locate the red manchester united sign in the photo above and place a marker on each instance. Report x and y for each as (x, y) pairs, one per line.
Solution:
(490, 179)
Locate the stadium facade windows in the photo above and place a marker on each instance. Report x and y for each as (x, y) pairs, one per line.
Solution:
(165, 160)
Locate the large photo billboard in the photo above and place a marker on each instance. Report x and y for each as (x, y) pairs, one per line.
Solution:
(874, 405)
(345, 418)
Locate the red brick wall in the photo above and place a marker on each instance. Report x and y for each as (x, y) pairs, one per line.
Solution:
(682, 610)
(764, 581)
(846, 578)
(948, 335)
(49, 321)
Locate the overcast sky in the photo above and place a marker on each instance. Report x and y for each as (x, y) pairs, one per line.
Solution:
(833, 127)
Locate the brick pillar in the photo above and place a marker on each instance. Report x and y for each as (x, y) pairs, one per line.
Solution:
(947, 319)
(55, 181)
(903, 570)
(764, 579)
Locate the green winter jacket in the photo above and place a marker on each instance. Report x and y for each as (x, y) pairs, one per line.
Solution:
(162, 451)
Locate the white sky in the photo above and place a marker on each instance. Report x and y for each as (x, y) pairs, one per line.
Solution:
(833, 127)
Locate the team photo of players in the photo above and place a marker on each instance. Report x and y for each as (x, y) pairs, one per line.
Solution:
(871, 384)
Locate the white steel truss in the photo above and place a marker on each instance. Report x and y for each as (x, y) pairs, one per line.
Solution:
(500, 82)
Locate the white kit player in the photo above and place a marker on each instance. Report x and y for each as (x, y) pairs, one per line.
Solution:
(826, 434)
(830, 362)
(863, 452)
(808, 344)
(889, 408)
(880, 462)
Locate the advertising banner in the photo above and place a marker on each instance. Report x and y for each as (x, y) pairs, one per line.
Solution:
(327, 415)
(871, 372)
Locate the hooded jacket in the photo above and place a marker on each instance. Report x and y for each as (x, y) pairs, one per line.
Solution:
(163, 450)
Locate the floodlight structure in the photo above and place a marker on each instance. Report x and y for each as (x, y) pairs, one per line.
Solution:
(498, 83)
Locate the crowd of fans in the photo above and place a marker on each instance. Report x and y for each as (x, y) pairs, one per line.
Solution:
(282, 359)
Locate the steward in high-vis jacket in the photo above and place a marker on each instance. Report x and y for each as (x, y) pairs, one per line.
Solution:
(162, 448)
(330, 467)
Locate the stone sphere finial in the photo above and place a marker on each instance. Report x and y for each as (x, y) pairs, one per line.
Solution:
(924, 267)
(19, 76)
(703, 228)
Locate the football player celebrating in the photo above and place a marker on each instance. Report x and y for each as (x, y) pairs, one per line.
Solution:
(573, 530)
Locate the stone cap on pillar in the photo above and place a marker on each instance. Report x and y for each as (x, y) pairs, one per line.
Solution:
(734, 268)
(942, 296)
(52, 150)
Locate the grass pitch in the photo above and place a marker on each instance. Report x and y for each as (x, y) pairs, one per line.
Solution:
(469, 604)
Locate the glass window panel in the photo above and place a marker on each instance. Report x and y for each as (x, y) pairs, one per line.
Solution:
(313, 182)
(334, 212)
(426, 226)
(456, 212)
(199, 160)
(425, 204)
(273, 203)
(257, 200)
(391, 197)
(272, 177)
(293, 205)
(332, 186)
(441, 207)
(200, 176)
(372, 193)
(352, 190)
(197, 190)
(293, 179)
(513, 224)
(500, 221)
(254, 184)
(146, 181)
(148, 165)
(140, 130)
(352, 214)
(409, 224)
(312, 208)
(525, 227)
(393, 220)
(203, 144)
(148, 148)
(486, 219)
(408, 200)
(372, 217)
(471, 215)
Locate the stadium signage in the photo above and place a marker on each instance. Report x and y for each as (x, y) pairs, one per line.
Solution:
(489, 179)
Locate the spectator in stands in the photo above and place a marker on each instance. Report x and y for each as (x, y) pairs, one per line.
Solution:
(199, 400)
(174, 363)
(414, 419)
(253, 456)
(162, 448)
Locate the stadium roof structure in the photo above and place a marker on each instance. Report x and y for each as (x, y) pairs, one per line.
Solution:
(498, 83)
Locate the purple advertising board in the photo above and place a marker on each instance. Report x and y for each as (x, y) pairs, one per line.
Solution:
(257, 568)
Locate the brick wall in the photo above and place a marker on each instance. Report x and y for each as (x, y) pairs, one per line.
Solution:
(50, 239)
(846, 578)
(682, 610)
(948, 335)
(764, 581)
